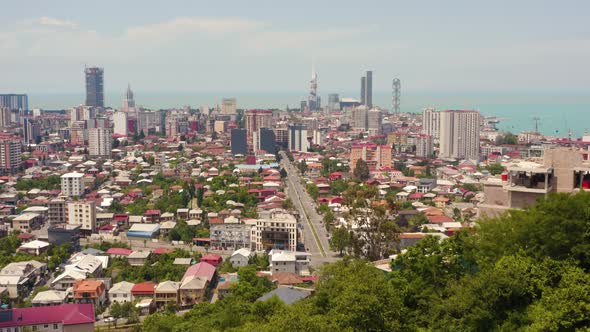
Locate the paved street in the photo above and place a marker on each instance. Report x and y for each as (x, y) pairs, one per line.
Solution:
(314, 232)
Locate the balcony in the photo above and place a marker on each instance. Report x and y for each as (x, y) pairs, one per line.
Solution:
(535, 180)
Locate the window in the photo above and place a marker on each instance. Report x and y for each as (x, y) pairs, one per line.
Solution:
(55, 326)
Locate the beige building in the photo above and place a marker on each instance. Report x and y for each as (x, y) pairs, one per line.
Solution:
(229, 106)
(83, 214)
(99, 142)
(561, 170)
(276, 229)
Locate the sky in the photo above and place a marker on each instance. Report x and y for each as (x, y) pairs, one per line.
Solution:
(270, 46)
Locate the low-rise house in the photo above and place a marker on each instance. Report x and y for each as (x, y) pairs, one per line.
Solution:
(119, 252)
(67, 279)
(35, 247)
(138, 257)
(289, 261)
(27, 222)
(50, 298)
(121, 292)
(60, 318)
(89, 291)
(166, 293)
(240, 257)
(20, 277)
(212, 259)
(193, 289)
(143, 290)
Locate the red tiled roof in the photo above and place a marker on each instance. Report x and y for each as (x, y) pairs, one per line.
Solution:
(119, 251)
(66, 314)
(162, 250)
(201, 269)
(143, 288)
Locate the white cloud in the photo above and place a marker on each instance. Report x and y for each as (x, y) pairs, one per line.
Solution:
(55, 22)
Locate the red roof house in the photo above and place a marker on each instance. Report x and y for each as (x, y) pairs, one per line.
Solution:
(143, 289)
(212, 259)
(121, 252)
(201, 269)
(79, 317)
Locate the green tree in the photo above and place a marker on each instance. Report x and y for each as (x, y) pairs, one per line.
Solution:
(313, 191)
(302, 167)
(495, 169)
(340, 240)
(361, 170)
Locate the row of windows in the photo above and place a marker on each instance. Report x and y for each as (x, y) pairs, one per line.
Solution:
(34, 328)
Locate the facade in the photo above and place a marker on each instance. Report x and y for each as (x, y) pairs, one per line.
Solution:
(298, 138)
(256, 119)
(229, 106)
(20, 277)
(60, 318)
(99, 142)
(57, 211)
(83, 214)
(230, 236)
(374, 121)
(5, 117)
(239, 143)
(90, 291)
(265, 140)
(276, 230)
(459, 134)
(360, 118)
(289, 261)
(431, 122)
(166, 293)
(14, 101)
(121, 292)
(72, 184)
(424, 146)
(376, 156)
(10, 156)
(193, 289)
(94, 87)
(120, 124)
(240, 257)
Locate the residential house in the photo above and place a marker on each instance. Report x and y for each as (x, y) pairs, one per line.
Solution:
(35, 247)
(121, 292)
(212, 259)
(166, 293)
(289, 261)
(20, 277)
(90, 291)
(240, 257)
(138, 257)
(143, 290)
(50, 298)
(60, 318)
(193, 290)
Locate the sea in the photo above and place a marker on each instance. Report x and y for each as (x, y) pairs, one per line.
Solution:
(554, 114)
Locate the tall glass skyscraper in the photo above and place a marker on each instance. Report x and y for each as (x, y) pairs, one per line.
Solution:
(94, 87)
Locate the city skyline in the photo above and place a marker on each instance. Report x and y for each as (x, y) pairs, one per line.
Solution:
(183, 46)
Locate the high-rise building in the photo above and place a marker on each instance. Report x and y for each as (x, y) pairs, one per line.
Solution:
(333, 102)
(374, 121)
(267, 141)
(72, 184)
(94, 87)
(99, 142)
(360, 118)
(424, 146)
(229, 106)
(239, 144)
(120, 123)
(128, 101)
(313, 101)
(31, 131)
(298, 138)
(431, 122)
(5, 117)
(10, 155)
(14, 101)
(367, 89)
(376, 156)
(83, 214)
(459, 134)
(256, 119)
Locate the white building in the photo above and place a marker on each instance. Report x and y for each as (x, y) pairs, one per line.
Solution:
(83, 214)
(240, 257)
(424, 146)
(99, 142)
(431, 122)
(121, 292)
(289, 261)
(276, 230)
(72, 184)
(298, 138)
(120, 123)
(459, 134)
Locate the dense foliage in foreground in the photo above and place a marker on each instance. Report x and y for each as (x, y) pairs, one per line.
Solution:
(526, 270)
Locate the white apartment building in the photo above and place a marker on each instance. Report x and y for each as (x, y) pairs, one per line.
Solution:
(289, 261)
(359, 118)
(431, 123)
(229, 106)
(72, 184)
(120, 123)
(277, 229)
(99, 142)
(83, 214)
(459, 134)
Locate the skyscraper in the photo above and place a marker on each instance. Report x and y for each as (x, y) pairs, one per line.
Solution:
(363, 89)
(239, 144)
(94, 87)
(360, 118)
(256, 119)
(459, 134)
(369, 89)
(431, 122)
(313, 101)
(374, 121)
(265, 140)
(5, 117)
(10, 159)
(14, 101)
(128, 101)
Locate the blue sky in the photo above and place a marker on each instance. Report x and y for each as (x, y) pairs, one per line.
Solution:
(258, 46)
